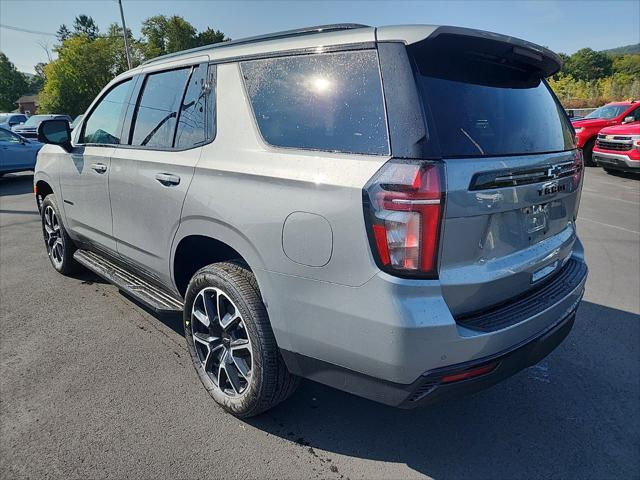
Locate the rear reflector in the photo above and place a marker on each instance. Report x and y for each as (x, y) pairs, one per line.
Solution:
(474, 372)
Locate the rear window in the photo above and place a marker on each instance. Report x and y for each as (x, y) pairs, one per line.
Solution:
(482, 107)
(323, 102)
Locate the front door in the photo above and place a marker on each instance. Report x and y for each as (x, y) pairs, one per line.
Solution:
(84, 183)
(84, 177)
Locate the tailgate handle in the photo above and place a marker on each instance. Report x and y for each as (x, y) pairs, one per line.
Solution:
(167, 179)
(99, 167)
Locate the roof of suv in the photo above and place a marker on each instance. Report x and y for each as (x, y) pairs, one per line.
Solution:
(324, 36)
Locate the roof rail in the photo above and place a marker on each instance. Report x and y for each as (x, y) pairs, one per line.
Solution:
(262, 38)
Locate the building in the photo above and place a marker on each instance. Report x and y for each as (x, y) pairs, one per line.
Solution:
(27, 104)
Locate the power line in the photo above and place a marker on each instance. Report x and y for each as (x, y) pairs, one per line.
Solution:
(25, 30)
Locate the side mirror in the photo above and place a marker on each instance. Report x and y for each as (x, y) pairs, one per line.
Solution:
(628, 119)
(55, 132)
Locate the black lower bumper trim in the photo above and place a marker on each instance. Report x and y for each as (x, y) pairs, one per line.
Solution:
(429, 388)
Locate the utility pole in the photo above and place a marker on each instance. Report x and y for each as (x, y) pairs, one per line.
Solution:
(126, 37)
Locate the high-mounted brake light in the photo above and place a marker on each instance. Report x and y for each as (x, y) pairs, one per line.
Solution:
(403, 208)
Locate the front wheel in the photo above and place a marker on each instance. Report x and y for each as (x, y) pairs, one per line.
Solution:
(60, 247)
(231, 341)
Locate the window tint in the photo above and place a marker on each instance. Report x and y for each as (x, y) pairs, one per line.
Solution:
(104, 124)
(482, 108)
(6, 136)
(157, 110)
(197, 113)
(323, 102)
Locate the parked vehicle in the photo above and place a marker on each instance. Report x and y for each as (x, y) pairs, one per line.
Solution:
(17, 153)
(389, 211)
(10, 120)
(618, 148)
(76, 122)
(616, 113)
(29, 129)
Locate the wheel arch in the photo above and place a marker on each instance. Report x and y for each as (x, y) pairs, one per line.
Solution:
(199, 242)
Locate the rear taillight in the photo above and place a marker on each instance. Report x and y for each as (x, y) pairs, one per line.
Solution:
(403, 206)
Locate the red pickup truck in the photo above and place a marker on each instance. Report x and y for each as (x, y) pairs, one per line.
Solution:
(587, 128)
(618, 148)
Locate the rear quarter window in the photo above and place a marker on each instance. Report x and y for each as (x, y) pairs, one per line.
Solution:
(327, 101)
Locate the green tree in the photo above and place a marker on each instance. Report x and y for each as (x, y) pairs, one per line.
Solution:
(82, 69)
(85, 25)
(37, 81)
(209, 37)
(13, 84)
(63, 33)
(627, 64)
(116, 41)
(164, 35)
(587, 64)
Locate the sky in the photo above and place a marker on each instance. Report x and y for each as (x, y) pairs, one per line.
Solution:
(562, 25)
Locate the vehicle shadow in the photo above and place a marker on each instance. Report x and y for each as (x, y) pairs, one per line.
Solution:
(560, 418)
(16, 184)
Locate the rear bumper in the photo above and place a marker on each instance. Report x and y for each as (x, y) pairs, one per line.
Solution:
(616, 161)
(430, 387)
(393, 342)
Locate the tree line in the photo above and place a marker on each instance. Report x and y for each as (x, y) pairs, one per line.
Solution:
(590, 79)
(87, 59)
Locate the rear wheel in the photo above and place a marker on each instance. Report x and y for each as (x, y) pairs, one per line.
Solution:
(587, 153)
(60, 247)
(231, 342)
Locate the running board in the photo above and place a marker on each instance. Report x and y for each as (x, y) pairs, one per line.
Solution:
(146, 293)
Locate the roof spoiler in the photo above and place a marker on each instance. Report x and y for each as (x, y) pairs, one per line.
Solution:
(540, 59)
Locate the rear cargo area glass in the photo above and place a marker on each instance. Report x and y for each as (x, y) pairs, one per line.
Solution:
(481, 105)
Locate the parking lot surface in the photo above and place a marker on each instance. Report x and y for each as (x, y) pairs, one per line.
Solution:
(92, 385)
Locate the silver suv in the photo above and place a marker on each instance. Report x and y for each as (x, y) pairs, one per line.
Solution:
(389, 211)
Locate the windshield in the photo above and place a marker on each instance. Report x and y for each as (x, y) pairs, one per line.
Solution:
(484, 108)
(608, 111)
(36, 119)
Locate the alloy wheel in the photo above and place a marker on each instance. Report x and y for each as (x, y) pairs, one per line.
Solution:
(53, 236)
(221, 341)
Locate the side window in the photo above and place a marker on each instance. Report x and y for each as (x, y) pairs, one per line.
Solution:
(156, 113)
(6, 136)
(323, 102)
(636, 114)
(104, 123)
(196, 119)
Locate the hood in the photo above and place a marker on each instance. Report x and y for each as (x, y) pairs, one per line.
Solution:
(632, 128)
(591, 122)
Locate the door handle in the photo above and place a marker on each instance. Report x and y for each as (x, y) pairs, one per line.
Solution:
(99, 167)
(167, 179)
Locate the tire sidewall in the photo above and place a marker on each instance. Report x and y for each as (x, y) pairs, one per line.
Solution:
(245, 403)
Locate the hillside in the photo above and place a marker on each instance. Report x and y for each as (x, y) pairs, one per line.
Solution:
(627, 49)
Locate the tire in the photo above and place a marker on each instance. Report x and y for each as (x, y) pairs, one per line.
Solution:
(60, 248)
(587, 153)
(250, 377)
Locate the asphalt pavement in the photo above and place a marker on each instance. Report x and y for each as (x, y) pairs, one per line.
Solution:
(94, 386)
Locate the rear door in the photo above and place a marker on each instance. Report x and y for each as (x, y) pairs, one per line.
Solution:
(172, 119)
(513, 175)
